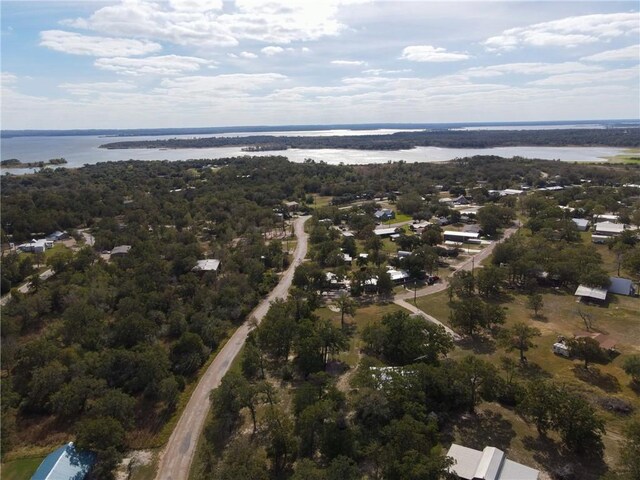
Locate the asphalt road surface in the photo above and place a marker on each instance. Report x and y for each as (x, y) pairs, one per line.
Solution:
(175, 461)
(26, 287)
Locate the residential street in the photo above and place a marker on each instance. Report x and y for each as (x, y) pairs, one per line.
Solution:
(176, 459)
(404, 299)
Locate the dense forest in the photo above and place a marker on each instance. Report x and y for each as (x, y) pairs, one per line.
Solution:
(614, 137)
(101, 351)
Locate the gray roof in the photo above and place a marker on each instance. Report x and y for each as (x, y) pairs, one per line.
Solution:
(209, 265)
(121, 250)
(591, 292)
(489, 464)
(581, 222)
(66, 463)
(621, 286)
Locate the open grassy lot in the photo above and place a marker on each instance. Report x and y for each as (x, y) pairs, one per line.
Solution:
(365, 315)
(20, 469)
(630, 155)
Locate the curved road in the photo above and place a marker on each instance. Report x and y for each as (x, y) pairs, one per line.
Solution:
(402, 299)
(175, 461)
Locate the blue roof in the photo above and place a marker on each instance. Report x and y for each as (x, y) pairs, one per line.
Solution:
(621, 286)
(66, 463)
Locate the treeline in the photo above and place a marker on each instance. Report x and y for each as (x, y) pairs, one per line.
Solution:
(613, 137)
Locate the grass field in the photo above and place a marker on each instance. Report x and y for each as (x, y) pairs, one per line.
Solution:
(20, 469)
(630, 155)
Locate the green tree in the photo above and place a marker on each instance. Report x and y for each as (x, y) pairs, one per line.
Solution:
(342, 468)
(587, 349)
(281, 441)
(630, 448)
(467, 314)
(346, 305)
(188, 354)
(489, 281)
(519, 337)
(540, 404)
(535, 303)
(478, 379)
(631, 366)
(579, 426)
(242, 459)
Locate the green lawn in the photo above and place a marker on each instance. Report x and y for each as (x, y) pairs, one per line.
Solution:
(20, 469)
(630, 155)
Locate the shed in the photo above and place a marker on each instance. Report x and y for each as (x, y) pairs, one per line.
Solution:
(581, 223)
(208, 265)
(594, 293)
(66, 463)
(57, 236)
(456, 236)
(599, 238)
(120, 250)
(385, 232)
(489, 464)
(621, 286)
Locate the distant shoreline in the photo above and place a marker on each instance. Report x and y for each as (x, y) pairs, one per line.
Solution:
(15, 163)
(114, 132)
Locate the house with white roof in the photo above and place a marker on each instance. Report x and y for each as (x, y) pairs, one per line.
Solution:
(207, 265)
(455, 236)
(581, 223)
(488, 464)
(608, 228)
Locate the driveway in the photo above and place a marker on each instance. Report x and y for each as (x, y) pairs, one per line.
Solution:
(175, 461)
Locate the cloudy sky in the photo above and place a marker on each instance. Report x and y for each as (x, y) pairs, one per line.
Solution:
(188, 63)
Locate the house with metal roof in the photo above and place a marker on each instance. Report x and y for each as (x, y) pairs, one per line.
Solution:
(456, 236)
(66, 463)
(120, 250)
(621, 286)
(581, 223)
(593, 293)
(608, 228)
(207, 265)
(384, 214)
(488, 464)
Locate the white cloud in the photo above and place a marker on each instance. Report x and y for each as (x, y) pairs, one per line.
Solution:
(529, 68)
(632, 52)
(196, 5)
(428, 53)
(92, 88)
(271, 50)
(349, 63)
(570, 79)
(160, 65)
(247, 55)
(77, 44)
(192, 22)
(380, 71)
(7, 78)
(567, 32)
(211, 85)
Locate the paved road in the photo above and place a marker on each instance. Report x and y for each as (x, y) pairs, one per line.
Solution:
(25, 287)
(177, 456)
(402, 299)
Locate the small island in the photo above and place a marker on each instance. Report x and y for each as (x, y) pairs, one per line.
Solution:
(15, 163)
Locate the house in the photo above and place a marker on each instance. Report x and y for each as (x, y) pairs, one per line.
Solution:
(120, 250)
(398, 276)
(606, 217)
(36, 246)
(384, 214)
(419, 227)
(291, 206)
(599, 238)
(208, 265)
(347, 233)
(346, 258)
(57, 236)
(461, 200)
(609, 229)
(593, 293)
(455, 236)
(621, 286)
(336, 282)
(581, 223)
(473, 228)
(488, 464)
(66, 463)
(384, 232)
(403, 254)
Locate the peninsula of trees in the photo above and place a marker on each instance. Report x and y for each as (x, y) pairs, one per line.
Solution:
(613, 137)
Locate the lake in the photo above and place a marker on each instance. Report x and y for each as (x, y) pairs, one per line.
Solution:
(81, 150)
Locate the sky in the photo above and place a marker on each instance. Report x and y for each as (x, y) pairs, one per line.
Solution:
(205, 63)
